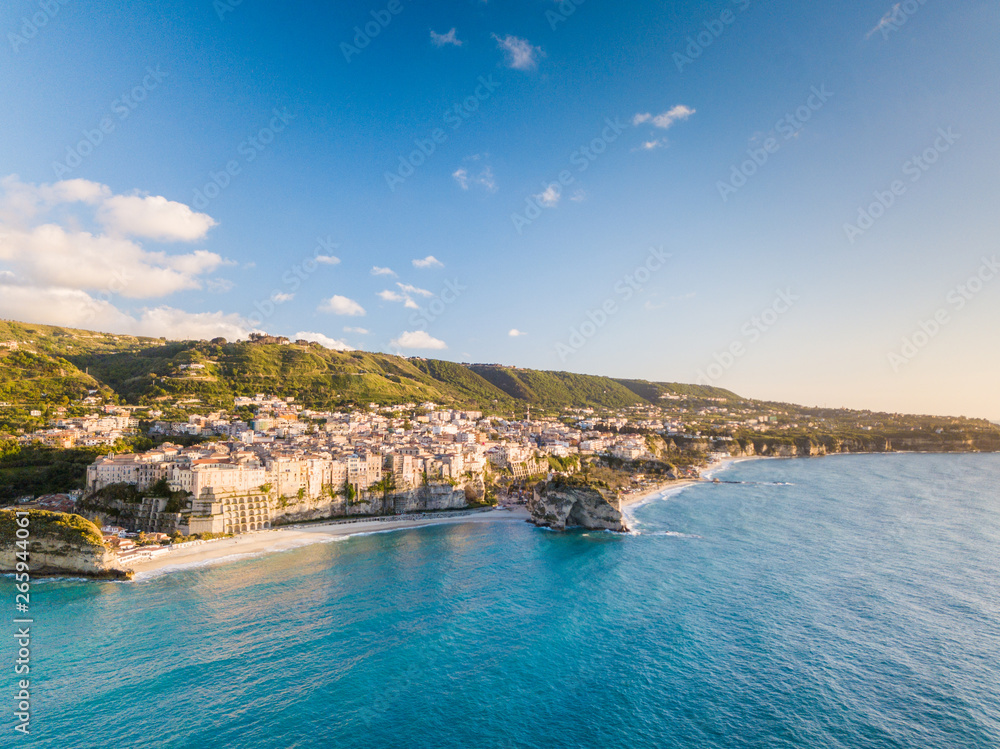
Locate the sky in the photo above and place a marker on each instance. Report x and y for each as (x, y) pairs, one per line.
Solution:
(795, 201)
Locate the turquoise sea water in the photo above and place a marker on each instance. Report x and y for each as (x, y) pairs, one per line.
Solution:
(856, 606)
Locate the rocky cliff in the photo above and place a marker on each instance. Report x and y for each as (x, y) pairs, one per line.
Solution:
(828, 445)
(801, 448)
(560, 505)
(421, 499)
(58, 544)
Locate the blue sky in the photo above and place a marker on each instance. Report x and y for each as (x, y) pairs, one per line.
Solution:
(552, 146)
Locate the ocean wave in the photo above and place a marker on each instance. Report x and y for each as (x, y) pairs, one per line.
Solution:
(672, 534)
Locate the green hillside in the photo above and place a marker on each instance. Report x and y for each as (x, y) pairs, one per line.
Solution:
(654, 391)
(558, 389)
(57, 366)
(468, 385)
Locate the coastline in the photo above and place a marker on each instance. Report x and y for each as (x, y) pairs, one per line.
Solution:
(631, 503)
(258, 543)
(287, 538)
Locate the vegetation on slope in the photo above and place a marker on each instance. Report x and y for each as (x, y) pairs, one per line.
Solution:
(36, 470)
(655, 391)
(557, 389)
(57, 366)
(60, 526)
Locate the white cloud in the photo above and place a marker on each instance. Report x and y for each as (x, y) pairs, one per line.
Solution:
(168, 322)
(21, 201)
(219, 285)
(406, 297)
(550, 198)
(886, 22)
(341, 305)
(71, 251)
(428, 262)
(327, 259)
(439, 40)
(280, 297)
(377, 271)
(515, 333)
(652, 145)
(418, 339)
(665, 120)
(77, 309)
(153, 217)
(75, 191)
(484, 179)
(71, 246)
(521, 54)
(416, 291)
(487, 180)
(322, 340)
(359, 331)
(51, 255)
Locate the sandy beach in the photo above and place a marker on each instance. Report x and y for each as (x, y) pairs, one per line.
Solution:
(630, 500)
(633, 501)
(295, 536)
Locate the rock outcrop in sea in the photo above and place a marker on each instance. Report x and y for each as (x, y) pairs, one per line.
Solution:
(58, 544)
(568, 503)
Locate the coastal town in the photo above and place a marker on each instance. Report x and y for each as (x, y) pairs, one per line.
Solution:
(246, 476)
(182, 473)
(172, 445)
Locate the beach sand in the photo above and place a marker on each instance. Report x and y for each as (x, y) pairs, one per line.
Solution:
(630, 503)
(295, 536)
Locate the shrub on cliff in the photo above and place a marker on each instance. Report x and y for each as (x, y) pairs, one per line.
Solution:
(61, 526)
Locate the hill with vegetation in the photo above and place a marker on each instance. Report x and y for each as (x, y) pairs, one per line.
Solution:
(42, 367)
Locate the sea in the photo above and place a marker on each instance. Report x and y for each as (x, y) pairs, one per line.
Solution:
(845, 601)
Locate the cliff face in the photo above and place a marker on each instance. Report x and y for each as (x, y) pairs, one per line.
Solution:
(946, 443)
(421, 499)
(436, 497)
(59, 544)
(562, 506)
(808, 448)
